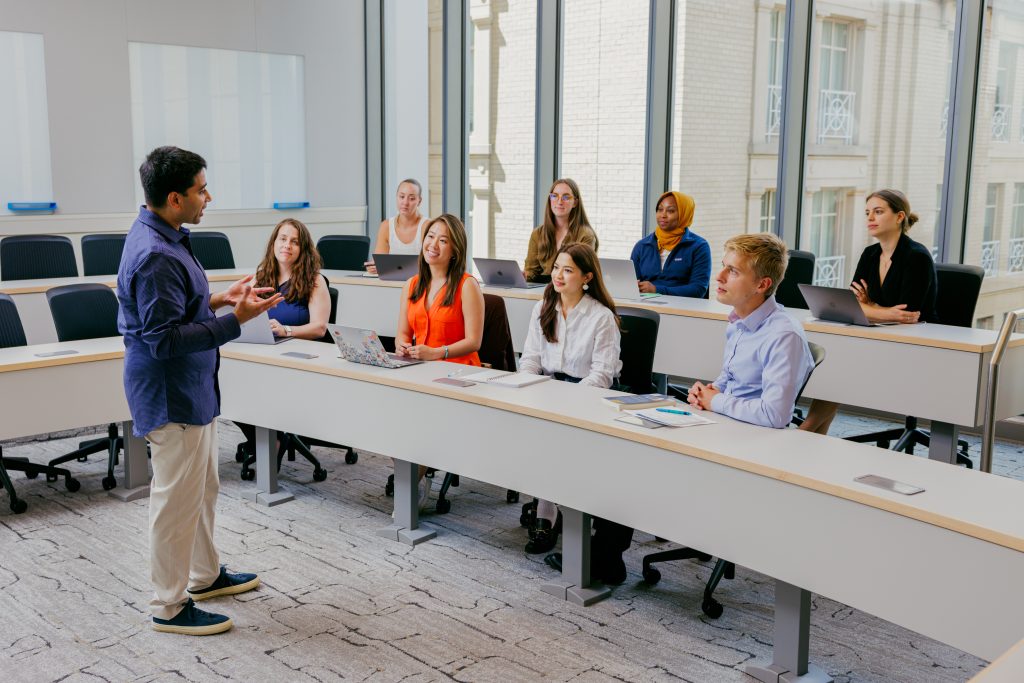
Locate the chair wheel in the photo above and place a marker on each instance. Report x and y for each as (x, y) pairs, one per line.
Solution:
(84, 458)
(240, 453)
(712, 608)
(109, 483)
(351, 457)
(703, 557)
(31, 474)
(512, 496)
(248, 475)
(883, 444)
(319, 474)
(72, 484)
(389, 488)
(651, 575)
(443, 506)
(51, 477)
(18, 506)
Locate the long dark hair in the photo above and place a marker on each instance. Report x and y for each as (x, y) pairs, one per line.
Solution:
(585, 258)
(304, 272)
(577, 220)
(897, 202)
(456, 267)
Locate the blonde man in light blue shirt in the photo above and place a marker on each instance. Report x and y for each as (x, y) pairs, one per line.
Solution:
(767, 359)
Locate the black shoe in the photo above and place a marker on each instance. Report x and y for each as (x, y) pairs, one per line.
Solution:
(226, 584)
(192, 621)
(543, 537)
(554, 560)
(609, 570)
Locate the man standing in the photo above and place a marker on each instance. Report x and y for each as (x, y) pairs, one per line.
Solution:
(171, 336)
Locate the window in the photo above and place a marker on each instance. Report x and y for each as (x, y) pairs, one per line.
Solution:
(776, 65)
(604, 91)
(823, 240)
(1002, 110)
(767, 223)
(989, 240)
(24, 121)
(837, 99)
(244, 112)
(1015, 256)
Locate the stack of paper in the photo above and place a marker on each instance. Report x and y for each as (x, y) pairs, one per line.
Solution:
(671, 417)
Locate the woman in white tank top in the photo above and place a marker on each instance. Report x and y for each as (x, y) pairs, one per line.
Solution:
(402, 233)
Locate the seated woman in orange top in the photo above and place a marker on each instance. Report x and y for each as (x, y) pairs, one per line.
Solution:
(442, 315)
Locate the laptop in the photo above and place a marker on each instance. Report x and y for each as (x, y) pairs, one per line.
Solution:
(620, 280)
(836, 304)
(257, 331)
(363, 346)
(498, 272)
(396, 267)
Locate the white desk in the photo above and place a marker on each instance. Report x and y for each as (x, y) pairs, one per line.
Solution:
(796, 513)
(935, 372)
(39, 395)
(1009, 668)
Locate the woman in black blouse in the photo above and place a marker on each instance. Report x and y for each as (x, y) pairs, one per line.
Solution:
(895, 279)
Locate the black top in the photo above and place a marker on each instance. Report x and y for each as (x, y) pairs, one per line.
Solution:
(911, 278)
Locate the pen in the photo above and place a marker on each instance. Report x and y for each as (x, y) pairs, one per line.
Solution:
(673, 411)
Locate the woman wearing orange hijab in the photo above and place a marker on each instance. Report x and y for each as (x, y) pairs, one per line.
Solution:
(673, 259)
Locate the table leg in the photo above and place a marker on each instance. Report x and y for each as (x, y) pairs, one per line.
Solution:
(792, 640)
(405, 525)
(266, 492)
(575, 585)
(942, 442)
(135, 481)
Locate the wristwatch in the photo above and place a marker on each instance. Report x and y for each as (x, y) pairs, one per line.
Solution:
(287, 330)
(445, 356)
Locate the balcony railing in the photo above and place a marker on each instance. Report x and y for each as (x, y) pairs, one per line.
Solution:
(774, 112)
(1001, 123)
(828, 271)
(990, 257)
(1015, 263)
(835, 116)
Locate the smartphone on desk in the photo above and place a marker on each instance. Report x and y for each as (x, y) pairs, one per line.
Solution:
(889, 484)
(299, 354)
(452, 381)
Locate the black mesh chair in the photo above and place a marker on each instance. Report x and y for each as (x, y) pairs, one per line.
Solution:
(344, 252)
(723, 568)
(87, 311)
(799, 271)
(212, 250)
(101, 254)
(289, 443)
(34, 257)
(12, 334)
(956, 298)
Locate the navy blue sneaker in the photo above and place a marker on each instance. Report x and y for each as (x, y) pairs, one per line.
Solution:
(226, 584)
(192, 621)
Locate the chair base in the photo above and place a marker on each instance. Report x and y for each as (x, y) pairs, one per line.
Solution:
(722, 569)
(290, 444)
(31, 470)
(112, 444)
(907, 438)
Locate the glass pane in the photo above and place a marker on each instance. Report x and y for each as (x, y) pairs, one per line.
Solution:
(725, 128)
(995, 207)
(876, 120)
(604, 91)
(24, 121)
(244, 112)
(503, 55)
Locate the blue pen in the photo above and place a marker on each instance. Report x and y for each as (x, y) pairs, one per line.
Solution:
(673, 411)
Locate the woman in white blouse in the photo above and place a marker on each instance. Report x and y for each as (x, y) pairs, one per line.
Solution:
(573, 337)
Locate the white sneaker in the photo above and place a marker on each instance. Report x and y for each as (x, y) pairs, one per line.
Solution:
(425, 485)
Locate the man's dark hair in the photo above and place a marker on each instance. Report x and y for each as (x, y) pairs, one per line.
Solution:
(167, 170)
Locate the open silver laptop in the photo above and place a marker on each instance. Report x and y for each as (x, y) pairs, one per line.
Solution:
(620, 280)
(836, 304)
(498, 272)
(257, 331)
(397, 267)
(363, 346)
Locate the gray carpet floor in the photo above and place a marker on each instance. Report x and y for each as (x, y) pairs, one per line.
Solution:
(339, 603)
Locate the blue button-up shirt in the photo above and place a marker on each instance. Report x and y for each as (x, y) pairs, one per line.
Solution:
(687, 268)
(170, 334)
(766, 363)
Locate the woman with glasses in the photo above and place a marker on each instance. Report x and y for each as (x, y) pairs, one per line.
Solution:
(673, 259)
(565, 222)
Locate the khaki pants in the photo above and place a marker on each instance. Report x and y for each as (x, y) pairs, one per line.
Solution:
(182, 504)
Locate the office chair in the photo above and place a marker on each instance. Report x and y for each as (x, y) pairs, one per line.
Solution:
(958, 287)
(344, 252)
(36, 257)
(292, 443)
(101, 254)
(723, 568)
(212, 250)
(799, 270)
(13, 334)
(87, 311)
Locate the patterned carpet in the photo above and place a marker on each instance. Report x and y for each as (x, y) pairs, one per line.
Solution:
(339, 603)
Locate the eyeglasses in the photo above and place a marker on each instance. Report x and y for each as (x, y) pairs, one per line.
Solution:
(565, 197)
